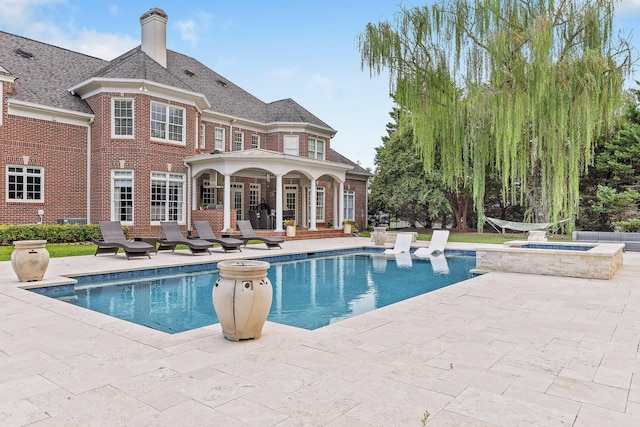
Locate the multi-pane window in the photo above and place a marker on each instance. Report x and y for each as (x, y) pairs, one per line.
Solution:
(320, 204)
(255, 141)
(122, 117)
(167, 122)
(349, 204)
(167, 197)
(122, 199)
(220, 139)
(24, 183)
(316, 149)
(238, 141)
(254, 196)
(208, 196)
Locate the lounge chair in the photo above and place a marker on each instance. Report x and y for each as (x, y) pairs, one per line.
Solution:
(113, 239)
(174, 237)
(403, 259)
(206, 233)
(248, 234)
(439, 263)
(438, 242)
(402, 244)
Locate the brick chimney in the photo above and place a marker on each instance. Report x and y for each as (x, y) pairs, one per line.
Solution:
(154, 35)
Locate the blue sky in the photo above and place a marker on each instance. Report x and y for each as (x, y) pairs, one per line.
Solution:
(274, 49)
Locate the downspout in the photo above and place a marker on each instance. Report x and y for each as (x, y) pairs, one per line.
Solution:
(231, 134)
(89, 124)
(190, 196)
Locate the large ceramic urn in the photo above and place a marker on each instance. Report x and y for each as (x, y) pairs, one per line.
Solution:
(29, 259)
(242, 298)
(379, 236)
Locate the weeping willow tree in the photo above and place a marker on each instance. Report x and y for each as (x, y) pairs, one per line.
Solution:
(521, 87)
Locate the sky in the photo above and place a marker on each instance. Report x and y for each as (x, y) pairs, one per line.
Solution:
(274, 49)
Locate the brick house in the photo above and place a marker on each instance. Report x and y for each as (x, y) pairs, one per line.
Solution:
(155, 135)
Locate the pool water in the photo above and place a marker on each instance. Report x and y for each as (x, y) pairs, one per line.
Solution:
(309, 293)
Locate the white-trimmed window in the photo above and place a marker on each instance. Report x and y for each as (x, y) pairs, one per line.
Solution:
(320, 204)
(316, 149)
(167, 123)
(122, 114)
(220, 139)
(122, 196)
(167, 197)
(349, 204)
(292, 145)
(254, 196)
(203, 141)
(238, 141)
(255, 141)
(25, 183)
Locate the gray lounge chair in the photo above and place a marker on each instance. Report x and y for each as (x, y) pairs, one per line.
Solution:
(205, 232)
(174, 237)
(113, 239)
(248, 234)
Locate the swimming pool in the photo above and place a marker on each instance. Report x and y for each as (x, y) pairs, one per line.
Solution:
(308, 293)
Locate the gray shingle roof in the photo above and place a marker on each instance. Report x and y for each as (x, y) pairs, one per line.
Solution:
(46, 77)
(357, 169)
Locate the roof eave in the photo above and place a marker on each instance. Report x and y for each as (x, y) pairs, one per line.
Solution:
(95, 85)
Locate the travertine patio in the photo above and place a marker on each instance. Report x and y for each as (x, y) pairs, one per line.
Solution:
(501, 349)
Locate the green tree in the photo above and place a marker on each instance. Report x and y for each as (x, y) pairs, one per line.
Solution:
(610, 189)
(521, 87)
(400, 184)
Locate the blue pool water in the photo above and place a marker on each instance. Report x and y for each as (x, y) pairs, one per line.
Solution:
(582, 248)
(307, 293)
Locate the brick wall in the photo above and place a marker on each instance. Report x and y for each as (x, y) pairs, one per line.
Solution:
(60, 149)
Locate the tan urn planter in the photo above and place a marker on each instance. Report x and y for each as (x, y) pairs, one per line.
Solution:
(347, 229)
(242, 298)
(291, 231)
(29, 259)
(379, 236)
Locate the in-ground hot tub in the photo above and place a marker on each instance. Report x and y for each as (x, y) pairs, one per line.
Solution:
(585, 260)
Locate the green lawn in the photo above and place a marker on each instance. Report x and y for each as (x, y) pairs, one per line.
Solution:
(64, 250)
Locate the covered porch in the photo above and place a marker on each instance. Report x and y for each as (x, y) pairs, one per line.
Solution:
(266, 188)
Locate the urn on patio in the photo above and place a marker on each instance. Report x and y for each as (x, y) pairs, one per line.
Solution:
(242, 298)
(379, 235)
(29, 259)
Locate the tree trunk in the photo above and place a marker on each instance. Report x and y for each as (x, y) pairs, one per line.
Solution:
(459, 205)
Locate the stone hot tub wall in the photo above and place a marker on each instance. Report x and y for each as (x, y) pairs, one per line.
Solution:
(600, 262)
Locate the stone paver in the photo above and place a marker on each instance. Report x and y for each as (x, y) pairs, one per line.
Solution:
(502, 349)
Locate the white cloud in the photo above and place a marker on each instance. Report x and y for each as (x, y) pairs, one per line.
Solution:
(284, 73)
(188, 31)
(627, 8)
(19, 13)
(326, 85)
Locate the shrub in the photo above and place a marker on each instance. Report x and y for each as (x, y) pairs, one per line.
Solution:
(64, 233)
(632, 225)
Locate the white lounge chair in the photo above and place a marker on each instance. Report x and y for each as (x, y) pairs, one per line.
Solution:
(438, 242)
(402, 244)
(403, 259)
(439, 263)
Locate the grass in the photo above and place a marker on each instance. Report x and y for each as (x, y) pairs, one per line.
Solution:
(66, 250)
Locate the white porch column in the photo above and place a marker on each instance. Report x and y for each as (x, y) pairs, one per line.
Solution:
(279, 194)
(227, 202)
(336, 215)
(341, 204)
(313, 199)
